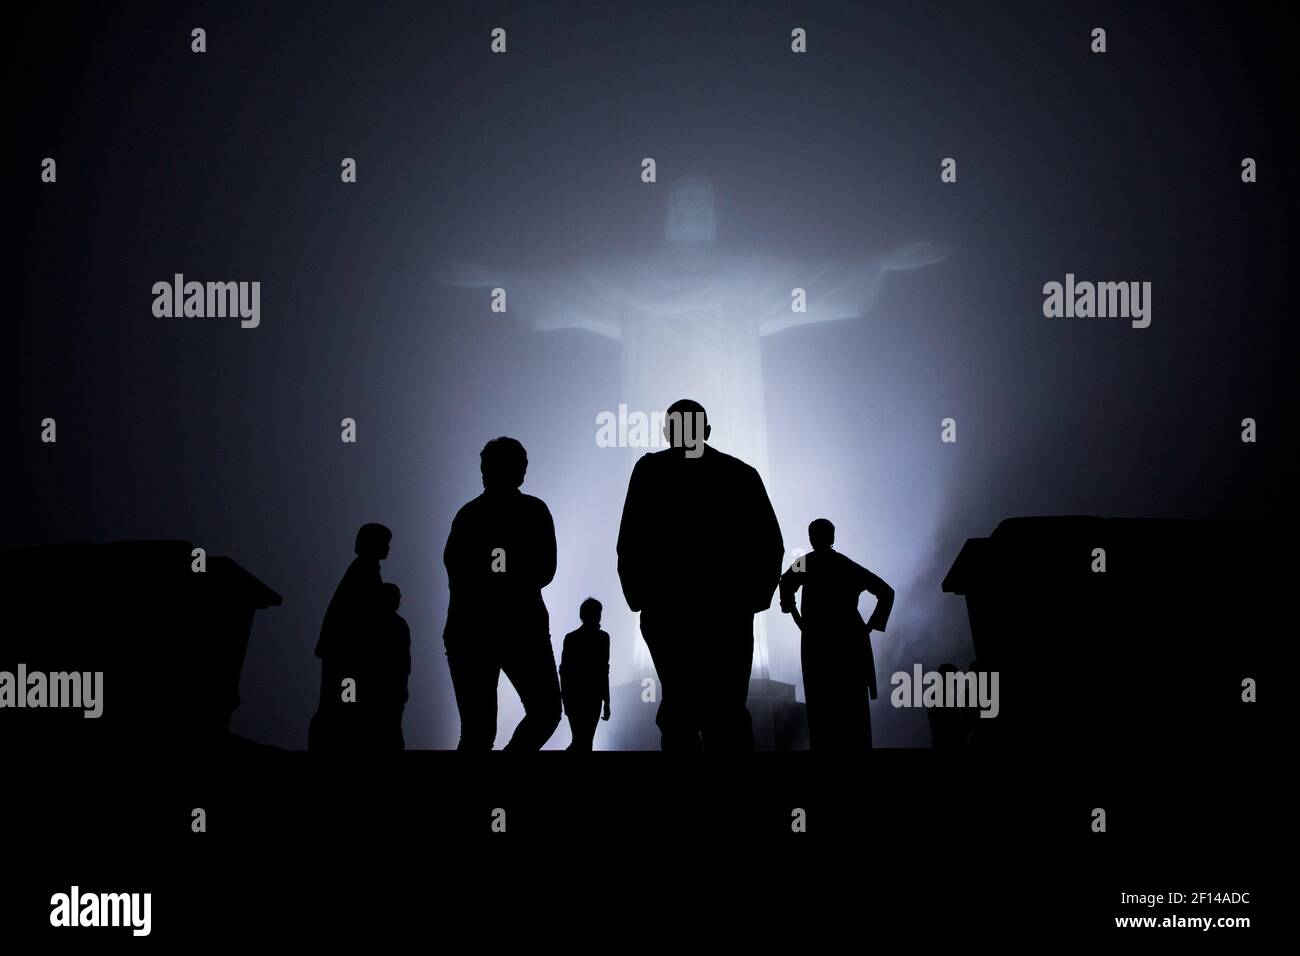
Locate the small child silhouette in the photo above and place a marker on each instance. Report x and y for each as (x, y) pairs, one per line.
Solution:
(390, 671)
(584, 675)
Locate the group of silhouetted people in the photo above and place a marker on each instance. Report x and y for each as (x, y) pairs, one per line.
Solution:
(699, 554)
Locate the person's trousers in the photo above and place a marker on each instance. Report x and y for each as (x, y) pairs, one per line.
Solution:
(584, 715)
(477, 661)
(836, 687)
(704, 662)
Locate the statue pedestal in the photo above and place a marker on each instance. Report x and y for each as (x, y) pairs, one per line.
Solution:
(632, 724)
(780, 721)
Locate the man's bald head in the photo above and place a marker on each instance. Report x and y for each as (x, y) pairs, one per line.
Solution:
(686, 426)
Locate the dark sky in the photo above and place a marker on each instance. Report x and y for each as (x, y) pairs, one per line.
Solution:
(225, 166)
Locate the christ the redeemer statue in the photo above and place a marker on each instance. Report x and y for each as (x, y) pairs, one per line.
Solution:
(691, 318)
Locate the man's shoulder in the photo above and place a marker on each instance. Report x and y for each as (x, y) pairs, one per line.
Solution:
(470, 508)
(720, 459)
(486, 503)
(711, 458)
(829, 557)
(533, 502)
(361, 567)
(652, 459)
(735, 473)
(534, 513)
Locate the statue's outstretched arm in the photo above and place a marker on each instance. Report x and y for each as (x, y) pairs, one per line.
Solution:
(834, 289)
(543, 300)
(918, 255)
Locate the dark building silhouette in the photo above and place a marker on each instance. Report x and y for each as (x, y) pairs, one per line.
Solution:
(170, 642)
(779, 720)
(1149, 653)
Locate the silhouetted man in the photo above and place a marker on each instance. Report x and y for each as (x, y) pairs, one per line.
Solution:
(351, 618)
(699, 554)
(499, 556)
(584, 675)
(839, 669)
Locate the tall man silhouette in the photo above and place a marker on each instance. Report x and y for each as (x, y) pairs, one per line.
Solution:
(699, 554)
(500, 554)
(839, 669)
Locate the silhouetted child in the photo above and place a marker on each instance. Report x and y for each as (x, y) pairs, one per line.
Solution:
(390, 670)
(584, 675)
(839, 669)
(350, 618)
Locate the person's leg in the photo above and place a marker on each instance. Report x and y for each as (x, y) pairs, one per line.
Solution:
(317, 732)
(575, 711)
(593, 722)
(351, 717)
(316, 738)
(677, 717)
(323, 731)
(583, 716)
(474, 681)
(728, 725)
(370, 710)
(812, 691)
(856, 676)
(841, 690)
(530, 667)
(394, 738)
(861, 712)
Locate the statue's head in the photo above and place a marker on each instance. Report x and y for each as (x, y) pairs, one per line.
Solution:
(690, 211)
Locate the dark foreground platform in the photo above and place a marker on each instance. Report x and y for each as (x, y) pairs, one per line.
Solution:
(899, 841)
